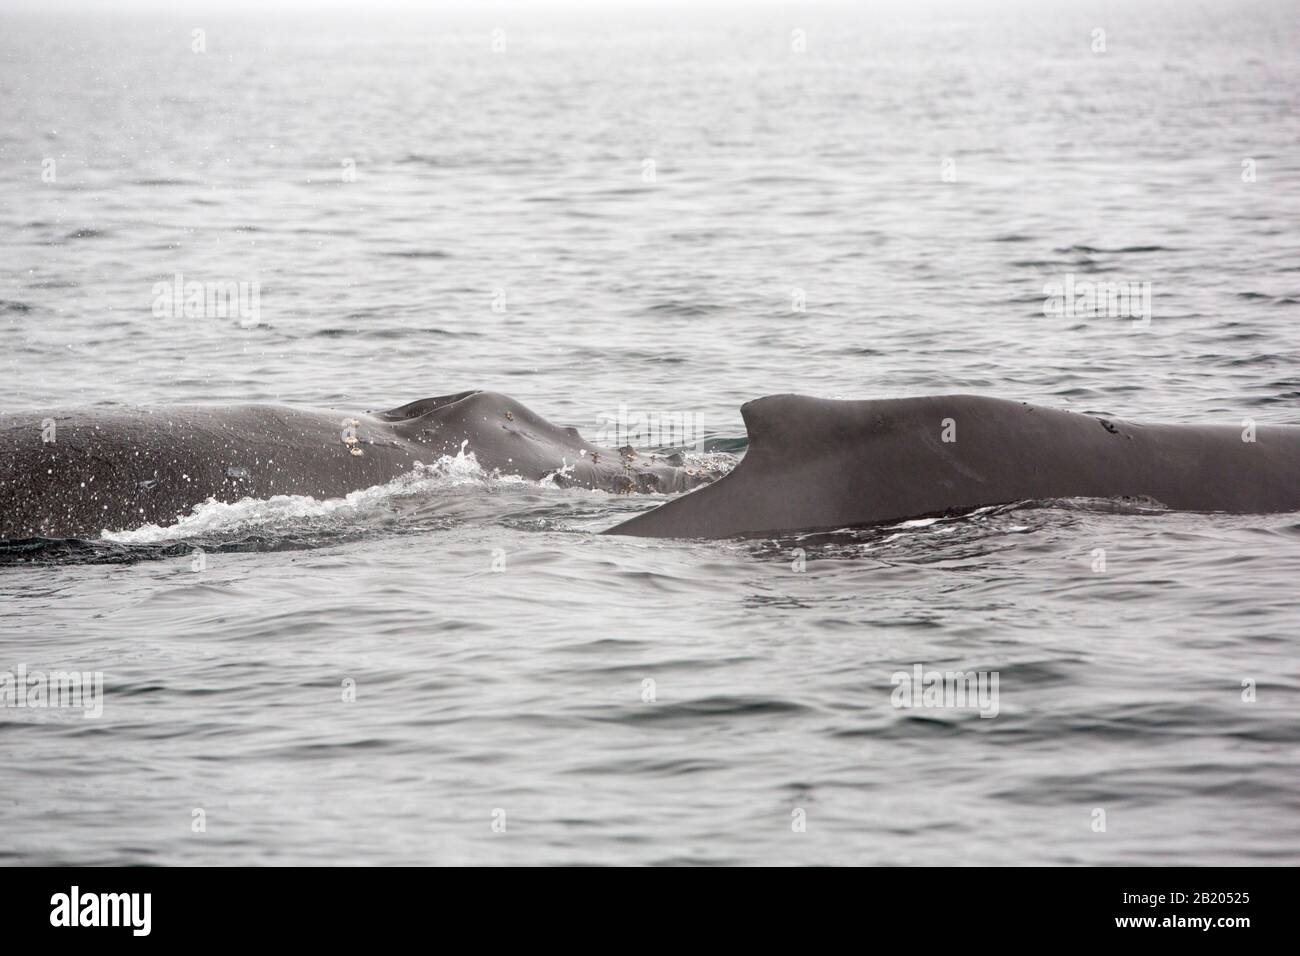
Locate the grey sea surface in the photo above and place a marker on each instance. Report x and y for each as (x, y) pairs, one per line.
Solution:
(668, 211)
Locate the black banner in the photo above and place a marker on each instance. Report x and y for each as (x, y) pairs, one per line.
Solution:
(330, 906)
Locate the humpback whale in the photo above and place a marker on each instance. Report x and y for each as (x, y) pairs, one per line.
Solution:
(818, 464)
(77, 472)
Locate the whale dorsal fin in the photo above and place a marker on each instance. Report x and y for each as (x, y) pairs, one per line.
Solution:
(782, 425)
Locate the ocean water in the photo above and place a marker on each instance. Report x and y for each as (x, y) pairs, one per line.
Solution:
(669, 211)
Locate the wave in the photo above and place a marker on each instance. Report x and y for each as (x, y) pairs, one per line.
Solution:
(985, 523)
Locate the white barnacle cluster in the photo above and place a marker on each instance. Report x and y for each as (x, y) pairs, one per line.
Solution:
(350, 426)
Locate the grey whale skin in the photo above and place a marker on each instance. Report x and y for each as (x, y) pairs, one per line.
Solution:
(816, 464)
(121, 468)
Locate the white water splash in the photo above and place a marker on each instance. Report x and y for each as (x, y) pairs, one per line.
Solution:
(220, 517)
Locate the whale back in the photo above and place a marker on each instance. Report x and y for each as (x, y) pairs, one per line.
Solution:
(77, 471)
(506, 436)
(818, 464)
